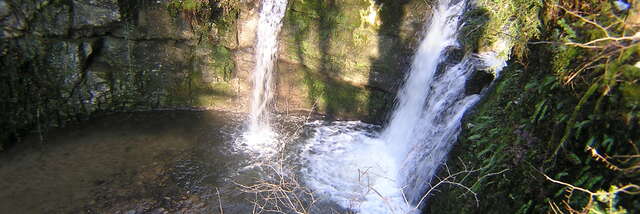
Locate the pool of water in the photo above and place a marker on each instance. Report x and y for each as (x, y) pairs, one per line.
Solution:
(194, 162)
(170, 161)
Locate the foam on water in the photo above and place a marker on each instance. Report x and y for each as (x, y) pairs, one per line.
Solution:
(346, 162)
(262, 142)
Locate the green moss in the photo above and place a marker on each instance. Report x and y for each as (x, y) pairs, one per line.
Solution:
(492, 21)
(214, 95)
(223, 62)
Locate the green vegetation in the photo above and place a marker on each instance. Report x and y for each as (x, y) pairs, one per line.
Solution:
(567, 110)
(494, 21)
(206, 16)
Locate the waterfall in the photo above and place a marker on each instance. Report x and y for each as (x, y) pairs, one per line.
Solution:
(368, 171)
(430, 105)
(260, 134)
(269, 25)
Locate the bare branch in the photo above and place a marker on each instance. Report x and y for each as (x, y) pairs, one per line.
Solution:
(454, 180)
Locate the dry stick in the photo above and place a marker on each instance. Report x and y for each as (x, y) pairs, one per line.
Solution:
(255, 204)
(219, 201)
(369, 188)
(590, 45)
(446, 180)
(404, 197)
(632, 38)
(281, 192)
(601, 56)
(554, 207)
(630, 189)
(386, 201)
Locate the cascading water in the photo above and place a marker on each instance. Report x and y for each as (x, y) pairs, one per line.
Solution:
(429, 108)
(354, 166)
(260, 134)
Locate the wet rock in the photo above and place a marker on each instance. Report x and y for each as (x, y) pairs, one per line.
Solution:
(53, 21)
(87, 49)
(479, 80)
(454, 56)
(95, 13)
(4, 9)
(154, 22)
(159, 211)
(65, 57)
(353, 51)
(14, 26)
(634, 15)
(80, 56)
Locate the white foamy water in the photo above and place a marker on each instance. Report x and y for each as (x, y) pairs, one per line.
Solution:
(347, 163)
(260, 136)
(418, 86)
(400, 161)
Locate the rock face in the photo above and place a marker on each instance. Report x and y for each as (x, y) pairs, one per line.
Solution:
(66, 60)
(92, 14)
(346, 58)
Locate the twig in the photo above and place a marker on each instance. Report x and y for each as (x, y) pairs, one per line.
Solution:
(451, 179)
(630, 189)
(219, 201)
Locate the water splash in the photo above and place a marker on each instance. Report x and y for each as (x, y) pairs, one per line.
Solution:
(348, 163)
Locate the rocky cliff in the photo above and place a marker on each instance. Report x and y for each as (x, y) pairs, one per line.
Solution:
(66, 60)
